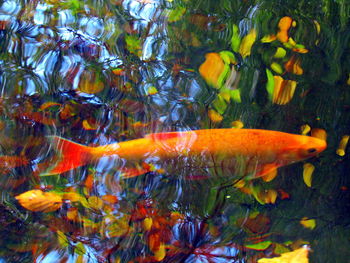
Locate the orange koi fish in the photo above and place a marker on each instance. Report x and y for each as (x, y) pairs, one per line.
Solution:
(262, 151)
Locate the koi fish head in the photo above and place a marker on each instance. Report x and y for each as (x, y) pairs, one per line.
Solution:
(304, 147)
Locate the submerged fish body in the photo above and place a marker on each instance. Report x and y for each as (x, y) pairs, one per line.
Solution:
(262, 150)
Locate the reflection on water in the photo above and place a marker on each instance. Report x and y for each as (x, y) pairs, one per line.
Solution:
(105, 74)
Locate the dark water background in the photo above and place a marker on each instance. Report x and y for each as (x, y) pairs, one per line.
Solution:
(99, 72)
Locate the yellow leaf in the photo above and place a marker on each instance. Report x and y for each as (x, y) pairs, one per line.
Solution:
(308, 223)
(318, 26)
(90, 83)
(212, 68)
(296, 256)
(305, 129)
(292, 42)
(80, 249)
(39, 201)
(225, 95)
(88, 125)
(95, 202)
(147, 223)
(239, 184)
(72, 214)
(160, 253)
(72, 196)
(307, 173)
(276, 67)
(152, 90)
(118, 226)
(268, 39)
(80, 259)
(280, 53)
(237, 124)
(62, 239)
(214, 116)
(247, 43)
(342, 145)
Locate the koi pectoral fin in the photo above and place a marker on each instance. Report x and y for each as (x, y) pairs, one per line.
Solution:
(70, 155)
(267, 172)
(130, 172)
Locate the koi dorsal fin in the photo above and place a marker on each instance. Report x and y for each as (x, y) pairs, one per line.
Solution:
(165, 135)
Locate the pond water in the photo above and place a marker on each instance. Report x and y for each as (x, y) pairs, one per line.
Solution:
(107, 74)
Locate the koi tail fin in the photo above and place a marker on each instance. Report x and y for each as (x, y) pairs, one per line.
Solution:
(71, 155)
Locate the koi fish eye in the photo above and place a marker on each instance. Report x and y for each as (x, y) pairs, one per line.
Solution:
(308, 152)
(311, 150)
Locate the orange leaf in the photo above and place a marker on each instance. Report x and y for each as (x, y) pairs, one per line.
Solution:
(154, 242)
(39, 201)
(72, 214)
(293, 66)
(212, 68)
(284, 24)
(110, 199)
(283, 91)
(319, 133)
(49, 104)
(89, 182)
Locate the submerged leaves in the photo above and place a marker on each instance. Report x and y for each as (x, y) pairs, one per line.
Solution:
(212, 68)
(39, 201)
(307, 173)
(247, 43)
(297, 256)
(342, 145)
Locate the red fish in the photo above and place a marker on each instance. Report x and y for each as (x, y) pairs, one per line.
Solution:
(262, 151)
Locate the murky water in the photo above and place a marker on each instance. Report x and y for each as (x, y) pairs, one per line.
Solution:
(103, 73)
